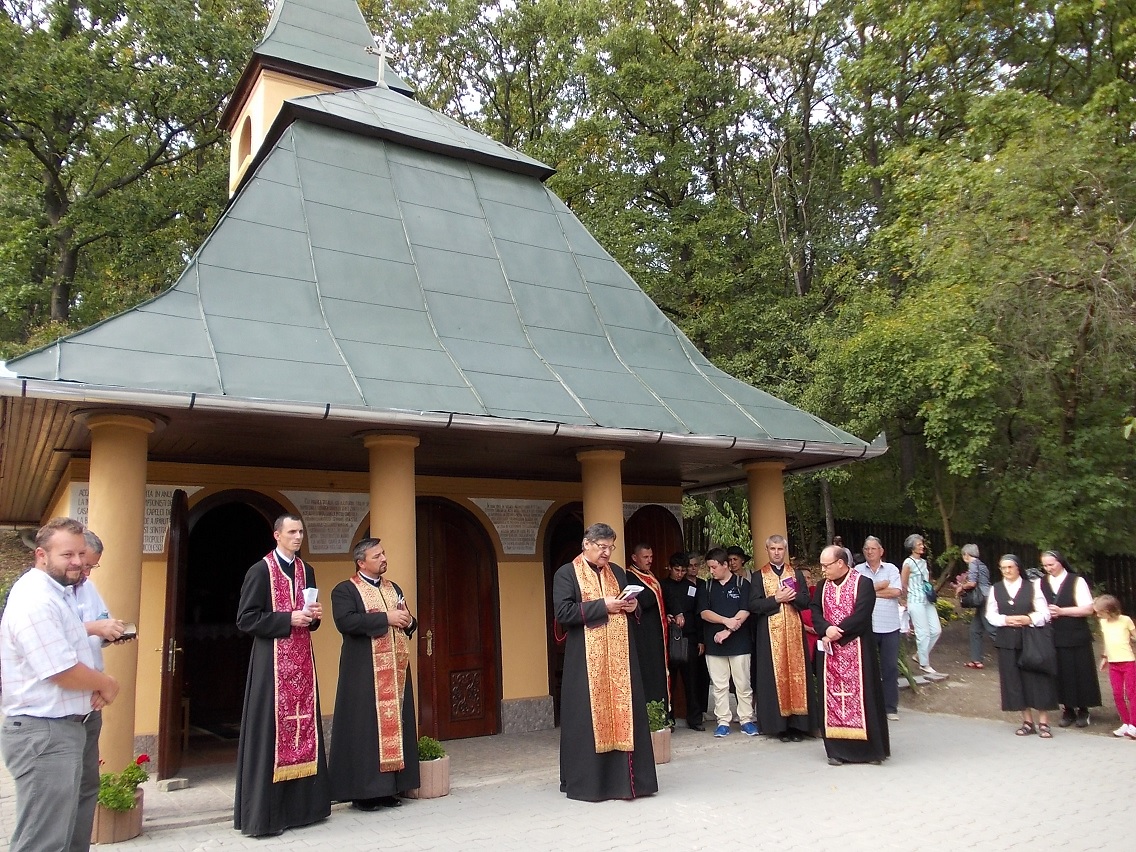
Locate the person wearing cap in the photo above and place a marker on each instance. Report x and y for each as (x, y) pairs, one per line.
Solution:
(737, 558)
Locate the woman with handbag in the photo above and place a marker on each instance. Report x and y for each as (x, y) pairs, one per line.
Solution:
(919, 595)
(1016, 609)
(973, 592)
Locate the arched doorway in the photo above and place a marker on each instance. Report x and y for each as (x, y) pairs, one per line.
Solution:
(459, 661)
(561, 545)
(228, 532)
(657, 527)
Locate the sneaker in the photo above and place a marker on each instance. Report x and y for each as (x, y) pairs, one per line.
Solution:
(1131, 734)
(1122, 731)
(893, 717)
(722, 731)
(749, 729)
(1082, 718)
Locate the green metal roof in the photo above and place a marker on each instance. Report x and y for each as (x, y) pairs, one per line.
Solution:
(421, 270)
(326, 35)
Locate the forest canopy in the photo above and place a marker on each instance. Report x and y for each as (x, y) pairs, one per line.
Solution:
(908, 218)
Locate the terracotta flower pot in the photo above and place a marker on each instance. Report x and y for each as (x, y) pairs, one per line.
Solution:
(116, 826)
(661, 743)
(434, 779)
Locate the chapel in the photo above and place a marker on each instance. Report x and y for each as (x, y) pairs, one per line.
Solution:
(394, 329)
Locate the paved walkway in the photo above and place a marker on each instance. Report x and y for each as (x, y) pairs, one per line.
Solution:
(952, 784)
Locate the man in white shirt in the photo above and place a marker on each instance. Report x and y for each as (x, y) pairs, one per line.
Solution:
(50, 685)
(885, 578)
(101, 629)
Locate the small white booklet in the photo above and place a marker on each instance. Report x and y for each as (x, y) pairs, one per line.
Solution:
(310, 597)
(630, 592)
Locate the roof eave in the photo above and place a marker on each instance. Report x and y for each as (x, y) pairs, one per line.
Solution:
(85, 394)
(321, 76)
(294, 110)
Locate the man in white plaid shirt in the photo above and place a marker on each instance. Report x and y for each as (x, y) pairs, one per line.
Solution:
(50, 685)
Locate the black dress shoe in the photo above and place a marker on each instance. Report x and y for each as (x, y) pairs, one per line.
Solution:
(1083, 718)
(1066, 720)
(795, 736)
(696, 726)
(390, 802)
(783, 736)
(367, 804)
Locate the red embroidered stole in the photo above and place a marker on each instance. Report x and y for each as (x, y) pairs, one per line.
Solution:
(844, 715)
(294, 680)
(607, 654)
(787, 647)
(390, 655)
(651, 582)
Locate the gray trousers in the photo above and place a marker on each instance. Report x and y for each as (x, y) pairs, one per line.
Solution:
(45, 758)
(88, 785)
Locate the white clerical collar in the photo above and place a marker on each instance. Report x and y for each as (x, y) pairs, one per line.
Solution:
(284, 560)
(374, 581)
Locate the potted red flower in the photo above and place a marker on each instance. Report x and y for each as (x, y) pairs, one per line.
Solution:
(118, 815)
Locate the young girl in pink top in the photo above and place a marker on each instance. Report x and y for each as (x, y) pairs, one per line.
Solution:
(1118, 632)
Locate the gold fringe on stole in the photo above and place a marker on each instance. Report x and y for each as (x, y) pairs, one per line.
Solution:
(607, 653)
(390, 654)
(291, 773)
(787, 646)
(843, 667)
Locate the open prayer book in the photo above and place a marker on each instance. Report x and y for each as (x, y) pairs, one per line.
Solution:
(630, 592)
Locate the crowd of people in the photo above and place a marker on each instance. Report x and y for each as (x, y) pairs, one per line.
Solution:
(800, 662)
(769, 652)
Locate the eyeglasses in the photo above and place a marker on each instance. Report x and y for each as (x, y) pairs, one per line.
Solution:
(829, 564)
(602, 548)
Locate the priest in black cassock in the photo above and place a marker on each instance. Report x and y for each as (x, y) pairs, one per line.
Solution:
(853, 719)
(281, 769)
(782, 681)
(374, 742)
(605, 744)
(649, 624)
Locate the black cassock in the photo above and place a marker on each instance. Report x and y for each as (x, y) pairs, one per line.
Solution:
(764, 681)
(260, 806)
(584, 774)
(354, 763)
(858, 625)
(648, 629)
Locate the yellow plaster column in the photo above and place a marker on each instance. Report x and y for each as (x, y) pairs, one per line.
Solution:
(602, 482)
(392, 509)
(766, 491)
(117, 508)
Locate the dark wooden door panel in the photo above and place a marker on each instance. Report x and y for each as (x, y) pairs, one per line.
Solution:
(457, 643)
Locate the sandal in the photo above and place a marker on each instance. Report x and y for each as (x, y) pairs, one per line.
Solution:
(1044, 732)
(1026, 729)
(975, 665)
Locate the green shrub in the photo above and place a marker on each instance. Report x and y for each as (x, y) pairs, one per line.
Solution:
(657, 716)
(430, 749)
(116, 792)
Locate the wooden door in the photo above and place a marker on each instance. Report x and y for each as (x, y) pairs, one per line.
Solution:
(562, 545)
(658, 528)
(458, 659)
(171, 723)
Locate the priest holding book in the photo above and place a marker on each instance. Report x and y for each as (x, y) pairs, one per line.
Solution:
(605, 743)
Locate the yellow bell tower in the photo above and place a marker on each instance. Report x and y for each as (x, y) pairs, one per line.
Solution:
(310, 47)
